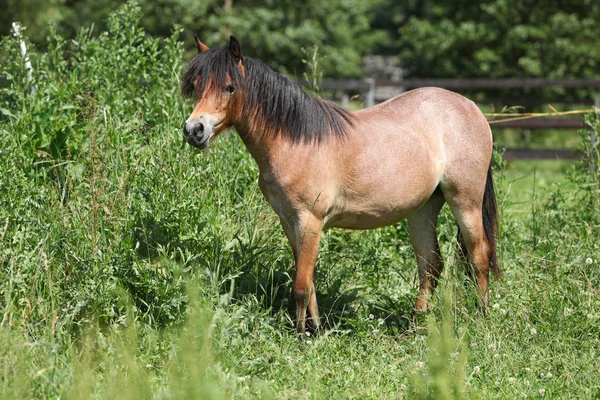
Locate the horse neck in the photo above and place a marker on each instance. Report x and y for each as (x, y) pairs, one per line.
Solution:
(263, 147)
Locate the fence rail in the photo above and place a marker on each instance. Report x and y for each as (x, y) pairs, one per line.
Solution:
(499, 83)
(370, 85)
(537, 123)
(540, 154)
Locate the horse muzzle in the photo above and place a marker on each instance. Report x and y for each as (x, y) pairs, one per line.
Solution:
(197, 135)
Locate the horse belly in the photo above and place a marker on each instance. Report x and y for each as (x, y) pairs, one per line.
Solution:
(390, 180)
(376, 211)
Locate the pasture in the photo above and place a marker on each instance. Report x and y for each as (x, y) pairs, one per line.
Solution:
(133, 266)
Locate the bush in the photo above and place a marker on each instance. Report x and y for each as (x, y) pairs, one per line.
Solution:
(77, 191)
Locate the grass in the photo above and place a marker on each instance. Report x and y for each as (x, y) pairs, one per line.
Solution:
(133, 266)
(526, 180)
(551, 139)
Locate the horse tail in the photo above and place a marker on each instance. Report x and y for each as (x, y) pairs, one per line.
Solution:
(489, 210)
(490, 222)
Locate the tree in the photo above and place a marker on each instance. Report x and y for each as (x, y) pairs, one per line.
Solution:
(273, 31)
(499, 38)
(276, 31)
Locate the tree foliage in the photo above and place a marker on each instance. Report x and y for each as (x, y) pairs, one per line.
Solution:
(500, 38)
(269, 30)
(497, 38)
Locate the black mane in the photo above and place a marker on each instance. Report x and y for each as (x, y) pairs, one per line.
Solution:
(274, 103)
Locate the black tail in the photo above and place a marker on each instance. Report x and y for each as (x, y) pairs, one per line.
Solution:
(490, 222)
(490, 225)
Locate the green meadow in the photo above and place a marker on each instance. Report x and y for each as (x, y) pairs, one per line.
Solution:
(134, 266)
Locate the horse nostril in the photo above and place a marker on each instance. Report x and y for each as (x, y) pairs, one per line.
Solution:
(197, 130)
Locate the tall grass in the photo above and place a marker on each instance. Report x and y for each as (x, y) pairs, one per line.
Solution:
(133, 266)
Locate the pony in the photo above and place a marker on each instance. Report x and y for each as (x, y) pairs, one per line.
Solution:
(322, 166)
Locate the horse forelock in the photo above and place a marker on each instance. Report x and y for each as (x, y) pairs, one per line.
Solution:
(210, 70)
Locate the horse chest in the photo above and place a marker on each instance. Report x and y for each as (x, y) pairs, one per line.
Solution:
(275, 193)
(291, 194)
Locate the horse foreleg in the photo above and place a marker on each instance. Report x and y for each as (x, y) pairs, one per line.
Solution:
(312, 306)
(314, 319)
(304, 239)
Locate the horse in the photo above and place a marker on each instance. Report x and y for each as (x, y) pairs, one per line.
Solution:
(322, 166)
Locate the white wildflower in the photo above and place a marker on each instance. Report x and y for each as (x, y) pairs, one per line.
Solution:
(542, 392)
(568, 311)
(477, 369)
(533, 331)
(589, 261)
(511, 380)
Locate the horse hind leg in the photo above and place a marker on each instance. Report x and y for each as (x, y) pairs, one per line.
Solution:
(475, 210)
(470, 221)
(463, 255)
(422, 227)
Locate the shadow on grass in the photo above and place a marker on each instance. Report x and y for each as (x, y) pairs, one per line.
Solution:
(259, 267)
(341, 308)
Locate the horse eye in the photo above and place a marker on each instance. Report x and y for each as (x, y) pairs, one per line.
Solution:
(230, 89)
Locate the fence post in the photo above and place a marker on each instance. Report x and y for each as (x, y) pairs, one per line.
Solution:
(17, 28)
(370, 95)
(594, 140)
(345, 101)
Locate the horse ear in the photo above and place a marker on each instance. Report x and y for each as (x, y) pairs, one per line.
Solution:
(234, 48)
(200, 46)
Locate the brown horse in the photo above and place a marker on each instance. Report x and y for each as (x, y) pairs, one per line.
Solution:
(322, 166)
